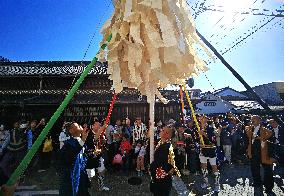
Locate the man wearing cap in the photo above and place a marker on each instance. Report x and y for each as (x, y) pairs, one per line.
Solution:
(258, 154)
(73, 178)
(226, 140)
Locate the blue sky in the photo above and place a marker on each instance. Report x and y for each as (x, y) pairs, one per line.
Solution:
(61, 30)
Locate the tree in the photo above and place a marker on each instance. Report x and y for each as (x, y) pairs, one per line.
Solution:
(3, 59)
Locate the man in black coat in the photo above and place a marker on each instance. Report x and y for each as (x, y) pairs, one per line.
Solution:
(278, 141)
(73, 177)
(163, 166)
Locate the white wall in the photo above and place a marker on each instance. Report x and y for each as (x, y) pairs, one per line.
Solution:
(213, 104)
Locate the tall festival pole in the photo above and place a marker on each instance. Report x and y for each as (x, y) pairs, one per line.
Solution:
(151, 131)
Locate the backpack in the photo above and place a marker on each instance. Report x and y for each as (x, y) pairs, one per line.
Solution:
(47, 146)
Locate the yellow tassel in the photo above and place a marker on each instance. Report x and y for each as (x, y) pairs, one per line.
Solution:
(171, 160)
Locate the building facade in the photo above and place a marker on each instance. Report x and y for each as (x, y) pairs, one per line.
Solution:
(36, 89)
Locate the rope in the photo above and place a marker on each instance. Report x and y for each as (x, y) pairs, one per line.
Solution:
(107, 119)
(92, 38)
(182, 102)
(27, 159)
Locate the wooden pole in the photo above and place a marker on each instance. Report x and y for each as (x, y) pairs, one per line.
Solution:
(151, 130)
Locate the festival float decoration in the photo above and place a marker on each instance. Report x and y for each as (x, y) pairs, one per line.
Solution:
(152, 47)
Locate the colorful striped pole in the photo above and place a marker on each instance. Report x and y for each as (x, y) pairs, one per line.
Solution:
(182, 102)
(193, 115)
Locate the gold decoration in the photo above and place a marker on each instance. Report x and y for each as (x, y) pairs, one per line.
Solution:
(171, 160)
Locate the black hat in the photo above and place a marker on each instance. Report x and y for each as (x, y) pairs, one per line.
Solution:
(178, 124)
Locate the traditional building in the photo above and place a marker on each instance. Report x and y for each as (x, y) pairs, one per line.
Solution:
(212, 104)
(271, 93)
(229, 100)
(36, 89)
(230, 94)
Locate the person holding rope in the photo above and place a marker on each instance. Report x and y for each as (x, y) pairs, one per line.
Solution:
(96, 144)
(208, 152)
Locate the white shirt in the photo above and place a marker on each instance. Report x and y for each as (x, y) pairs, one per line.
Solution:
(141, 150)
(62, 138)
(256, 129)
(109, 133)
(139, 132)
(276, 132)
(81, 142)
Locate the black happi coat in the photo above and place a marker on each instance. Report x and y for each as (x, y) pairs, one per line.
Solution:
(70, 154)
(162, 159)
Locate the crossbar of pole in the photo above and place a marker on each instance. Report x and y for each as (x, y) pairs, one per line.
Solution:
(239, 77)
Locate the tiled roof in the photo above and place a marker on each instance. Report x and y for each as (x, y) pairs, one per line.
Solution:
(49, 68)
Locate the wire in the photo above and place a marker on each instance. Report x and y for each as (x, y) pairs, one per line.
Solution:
(207, 79)
(236, 44)
(91, 40)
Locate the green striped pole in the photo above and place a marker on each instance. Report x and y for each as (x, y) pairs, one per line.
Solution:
(27, 159)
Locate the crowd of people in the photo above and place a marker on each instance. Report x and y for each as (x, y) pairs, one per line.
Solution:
(91, 149)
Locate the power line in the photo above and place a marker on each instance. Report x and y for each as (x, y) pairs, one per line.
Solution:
(233, 26)
(250, 11)
(92, 38)
(237, 43)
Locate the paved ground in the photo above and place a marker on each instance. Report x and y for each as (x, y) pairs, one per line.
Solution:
(235, 180)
